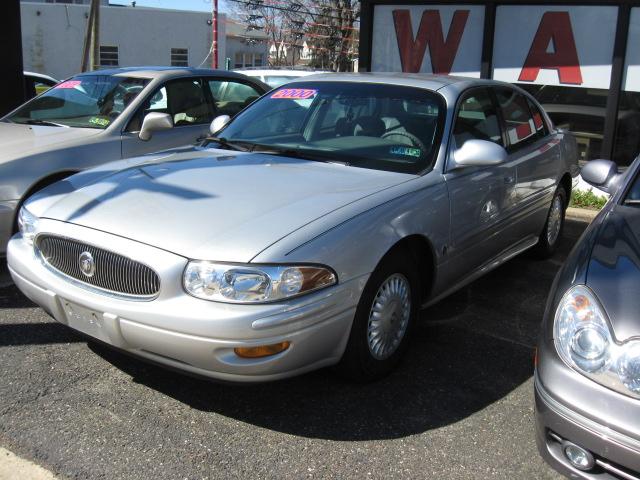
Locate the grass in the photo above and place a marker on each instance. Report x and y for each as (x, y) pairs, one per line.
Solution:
(589, 200)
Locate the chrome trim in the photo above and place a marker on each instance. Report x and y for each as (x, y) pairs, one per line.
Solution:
(616, 471)
(111, 280)
(580, 420)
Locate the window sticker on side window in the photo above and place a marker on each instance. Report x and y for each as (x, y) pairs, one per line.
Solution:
(295, 93)
(69, 84)
(405, 151)
(102, 122)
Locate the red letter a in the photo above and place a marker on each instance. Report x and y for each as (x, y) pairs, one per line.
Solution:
(554, 26)
(442, 52)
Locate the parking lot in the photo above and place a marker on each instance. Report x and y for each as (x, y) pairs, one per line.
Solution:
(460, 406)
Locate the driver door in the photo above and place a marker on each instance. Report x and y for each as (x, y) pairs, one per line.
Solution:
(482, 198)
(185, 100)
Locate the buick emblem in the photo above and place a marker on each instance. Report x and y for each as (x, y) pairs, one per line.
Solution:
(87, 265)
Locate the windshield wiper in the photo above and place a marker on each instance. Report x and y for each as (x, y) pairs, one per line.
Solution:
(43, 122)
(231, 145)
(632, 202)
(294, 153)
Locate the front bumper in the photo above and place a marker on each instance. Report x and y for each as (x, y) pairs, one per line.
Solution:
(617, 455)
(7, 217)
(184, 332)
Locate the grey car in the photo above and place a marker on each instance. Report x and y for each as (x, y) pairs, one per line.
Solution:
(102, 116)
(587, 380)
(308, 232)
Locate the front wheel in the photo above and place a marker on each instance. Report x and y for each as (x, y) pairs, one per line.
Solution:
(552, 232)
(384, 317)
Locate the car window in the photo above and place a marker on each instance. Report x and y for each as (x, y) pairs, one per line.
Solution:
(378, 126)
(87, 101)
(538, 119)
(477, 119)
(229, 97)
(633, 195)
(184, 100)
(519, 124)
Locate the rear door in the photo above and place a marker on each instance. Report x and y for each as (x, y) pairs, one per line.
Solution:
(535, 155)
(186, 101)
(481, 198)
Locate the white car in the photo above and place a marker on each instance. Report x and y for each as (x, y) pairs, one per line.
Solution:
(276, 77)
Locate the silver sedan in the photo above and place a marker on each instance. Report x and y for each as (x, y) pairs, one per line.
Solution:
(309, 231)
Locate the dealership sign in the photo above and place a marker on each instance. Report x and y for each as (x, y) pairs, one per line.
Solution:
(551, 45)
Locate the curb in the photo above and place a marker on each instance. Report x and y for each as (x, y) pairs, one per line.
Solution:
(581, 214)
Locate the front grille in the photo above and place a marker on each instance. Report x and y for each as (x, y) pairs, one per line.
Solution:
(112, 272)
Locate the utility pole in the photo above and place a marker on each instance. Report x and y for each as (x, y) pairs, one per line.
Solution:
(214, 46)
(91, 48)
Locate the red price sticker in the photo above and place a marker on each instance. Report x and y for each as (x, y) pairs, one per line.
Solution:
(295, 93)
(69, 84)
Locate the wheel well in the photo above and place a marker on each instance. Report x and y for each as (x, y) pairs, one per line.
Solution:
(422, 256)
(39, 185)
(566, 183)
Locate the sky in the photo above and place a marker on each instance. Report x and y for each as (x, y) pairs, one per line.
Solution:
(200, 5)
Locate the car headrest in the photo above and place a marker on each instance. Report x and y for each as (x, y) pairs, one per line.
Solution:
(369, 127)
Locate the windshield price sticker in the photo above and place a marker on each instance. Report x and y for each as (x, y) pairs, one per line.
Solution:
(295, 93)
(102, 122)
(69, 84)
(406, 151)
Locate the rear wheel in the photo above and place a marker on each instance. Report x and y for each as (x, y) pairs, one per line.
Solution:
(552, 232)
(384, 317)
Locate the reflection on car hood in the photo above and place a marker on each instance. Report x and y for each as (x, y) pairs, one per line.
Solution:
(215, 204)
(614, 270)
(19, 140)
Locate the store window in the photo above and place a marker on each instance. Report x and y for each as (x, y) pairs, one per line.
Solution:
(108, 56)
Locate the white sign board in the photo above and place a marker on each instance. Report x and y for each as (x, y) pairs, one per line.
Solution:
(632, 63)
(427, 38)
(554, 45)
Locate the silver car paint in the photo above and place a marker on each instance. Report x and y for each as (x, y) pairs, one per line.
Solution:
(31, 153)
(470, 218)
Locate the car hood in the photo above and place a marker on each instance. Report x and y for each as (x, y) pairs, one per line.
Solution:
(614, 270)
(23, 140)
(216, 204)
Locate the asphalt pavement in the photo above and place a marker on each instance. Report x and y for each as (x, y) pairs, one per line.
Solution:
(460, 406)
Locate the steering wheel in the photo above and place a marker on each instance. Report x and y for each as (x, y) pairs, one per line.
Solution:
(415, 141)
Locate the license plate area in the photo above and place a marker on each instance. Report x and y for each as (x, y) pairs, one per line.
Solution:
(87, 321)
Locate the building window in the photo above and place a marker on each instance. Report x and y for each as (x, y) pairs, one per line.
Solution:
(179, 57)
(239, 60)
(258, 60)
(108, 56)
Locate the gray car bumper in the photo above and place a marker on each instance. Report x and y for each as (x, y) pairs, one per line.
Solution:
(617, 455)
(190, 334)
(7, 216)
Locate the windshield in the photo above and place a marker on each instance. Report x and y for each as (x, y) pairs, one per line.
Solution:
(89, 101)
(384, 127)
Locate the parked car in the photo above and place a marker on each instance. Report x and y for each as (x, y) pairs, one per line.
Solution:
(587, 380)
(97, 117)
(276, 77)
(37, 83)
(308, 232)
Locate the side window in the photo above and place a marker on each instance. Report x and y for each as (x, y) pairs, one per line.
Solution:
(538, 119)
(477, 119)
(229, 97)
(183, 99)
(519, 123)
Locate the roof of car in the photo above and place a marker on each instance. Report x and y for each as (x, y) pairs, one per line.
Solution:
(421, 80)
(162, 72)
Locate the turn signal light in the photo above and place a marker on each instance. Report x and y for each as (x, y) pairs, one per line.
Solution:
(261, 351)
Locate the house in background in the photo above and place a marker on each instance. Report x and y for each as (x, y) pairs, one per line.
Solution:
(246, 47)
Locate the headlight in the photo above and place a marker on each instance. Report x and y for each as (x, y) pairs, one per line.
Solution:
(253, 283)
(27, 224)
(585, 342)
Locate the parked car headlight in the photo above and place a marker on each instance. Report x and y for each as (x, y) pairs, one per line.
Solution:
(27, 224)
(585, 342)
(253, 283)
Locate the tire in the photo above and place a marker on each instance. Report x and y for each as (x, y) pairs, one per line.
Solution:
(551, 234)
(367, 360)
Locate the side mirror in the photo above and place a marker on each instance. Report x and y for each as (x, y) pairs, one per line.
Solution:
(602, 174)
(219, 123)
(154, 122)
(479, 153)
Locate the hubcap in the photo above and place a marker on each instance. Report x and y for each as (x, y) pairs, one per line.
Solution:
(389, 316)
(555, 220)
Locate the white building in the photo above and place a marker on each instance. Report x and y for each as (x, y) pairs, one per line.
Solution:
(53, 37)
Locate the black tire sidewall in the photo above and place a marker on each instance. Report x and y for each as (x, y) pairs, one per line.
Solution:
(544, 248)
(358, 362)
